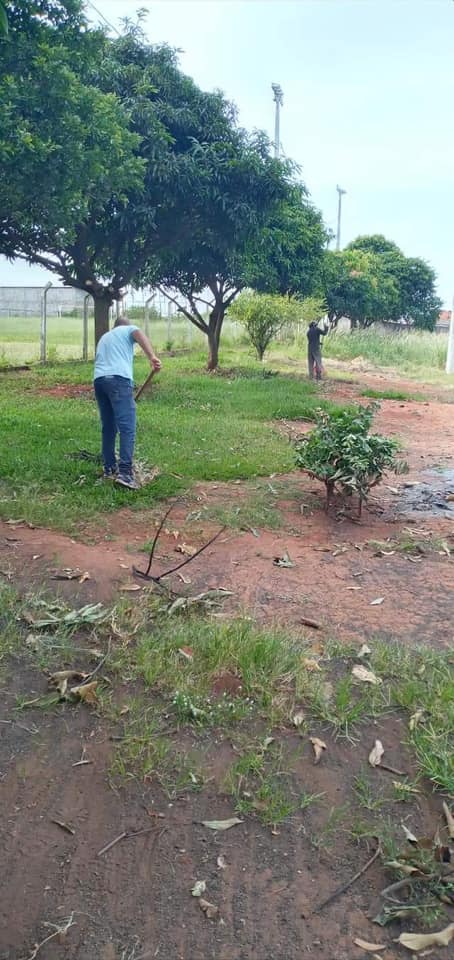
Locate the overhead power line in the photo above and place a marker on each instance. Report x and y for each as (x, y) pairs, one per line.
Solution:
(106, 21)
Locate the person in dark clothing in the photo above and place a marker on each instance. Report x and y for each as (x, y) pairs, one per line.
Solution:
(314, 350)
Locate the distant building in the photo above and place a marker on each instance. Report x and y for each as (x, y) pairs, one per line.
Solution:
(444, 319)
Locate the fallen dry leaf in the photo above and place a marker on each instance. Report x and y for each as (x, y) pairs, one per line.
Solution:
(449, 820)
(33, 641)
(64, 826)
(404, 867)
(209, 909)
(61, 678)
(311, 665)
(317, 648)
(183, 578)
(409, 835)
(283, 561)
(319, 746)
(130, 588)
(124, 710)
(420, 941)
(221, 862)
(199, 888)
(298, 718)
(415, 718)
(365, 651)
(371, 947)
(85, 576)
(375, 603)
(404, 787)
(185, 549)
(186, 652)
(221, 824)
(360, 672)
(86, 692)
(376, 754)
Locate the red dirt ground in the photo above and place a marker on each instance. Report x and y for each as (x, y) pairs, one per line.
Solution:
(134, 901)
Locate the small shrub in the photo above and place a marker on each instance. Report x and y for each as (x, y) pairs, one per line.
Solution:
(341, 452)
(263, 315)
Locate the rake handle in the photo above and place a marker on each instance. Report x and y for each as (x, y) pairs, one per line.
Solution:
(144, 385)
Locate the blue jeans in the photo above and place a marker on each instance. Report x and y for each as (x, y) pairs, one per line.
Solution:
(117, 408)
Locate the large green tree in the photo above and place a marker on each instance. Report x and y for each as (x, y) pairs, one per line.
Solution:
(67, 148)
(137, 199)
(261, 232)
(372, 280)
(355, 286)
(418, 303)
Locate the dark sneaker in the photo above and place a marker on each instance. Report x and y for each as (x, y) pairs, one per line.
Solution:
(110, 474)
(127, 481)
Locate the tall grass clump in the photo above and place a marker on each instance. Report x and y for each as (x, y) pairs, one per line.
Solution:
(406, 349)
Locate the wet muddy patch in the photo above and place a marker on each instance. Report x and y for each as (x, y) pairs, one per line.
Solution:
(432, 496)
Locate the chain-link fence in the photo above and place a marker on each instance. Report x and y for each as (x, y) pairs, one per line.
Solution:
(57, 323)
(44, 323)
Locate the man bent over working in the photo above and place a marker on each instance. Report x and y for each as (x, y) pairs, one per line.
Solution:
(114, 391)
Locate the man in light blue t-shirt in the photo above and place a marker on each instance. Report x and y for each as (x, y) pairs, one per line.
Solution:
(114, 391)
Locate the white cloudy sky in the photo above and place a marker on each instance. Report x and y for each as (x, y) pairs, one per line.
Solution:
(368, 93)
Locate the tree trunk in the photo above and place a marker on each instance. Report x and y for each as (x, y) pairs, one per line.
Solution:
(213, 350)
(214, 336)
(102, 307)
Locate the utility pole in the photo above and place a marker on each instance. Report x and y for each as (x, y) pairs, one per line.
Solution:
(450, 354)
(279, 100)
(339, 215)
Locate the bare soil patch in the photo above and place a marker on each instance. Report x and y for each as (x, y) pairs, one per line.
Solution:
(68, 391)
(135, 900)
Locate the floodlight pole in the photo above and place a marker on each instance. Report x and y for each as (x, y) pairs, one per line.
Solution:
(341, 193)
(279, 100)
(450, 353)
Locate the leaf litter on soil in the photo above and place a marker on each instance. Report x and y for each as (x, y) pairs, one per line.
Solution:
(319, 746)
(421, 941)
(376, 754)
(221, 824)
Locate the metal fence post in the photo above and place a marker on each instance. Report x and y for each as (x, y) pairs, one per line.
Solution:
(147, 314)
(169, 322)
(85, 329)
(43, 332)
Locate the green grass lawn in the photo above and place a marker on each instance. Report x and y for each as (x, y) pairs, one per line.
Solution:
(192, 425)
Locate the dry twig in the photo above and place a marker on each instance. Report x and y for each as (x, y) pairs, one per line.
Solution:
(59, 931)
(346, 886)
(124, 836)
